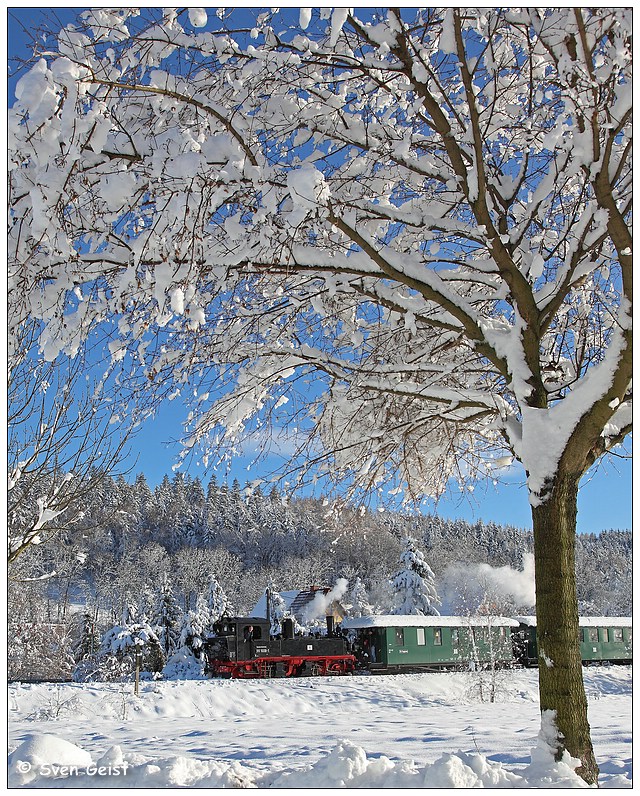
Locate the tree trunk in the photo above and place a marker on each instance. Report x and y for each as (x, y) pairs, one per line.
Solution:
(560, 666)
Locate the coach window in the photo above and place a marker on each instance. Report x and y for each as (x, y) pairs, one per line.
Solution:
(604, 634)
(454, 636)
(400, 636)
(617, 634)
(420, 635)
(437, 636)
(591, 634)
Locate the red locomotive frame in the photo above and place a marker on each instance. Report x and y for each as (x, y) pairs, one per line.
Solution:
(284, 666)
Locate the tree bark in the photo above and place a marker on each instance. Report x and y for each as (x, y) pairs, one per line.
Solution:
(560, 666)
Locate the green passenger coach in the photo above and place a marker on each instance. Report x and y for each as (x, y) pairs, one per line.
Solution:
(603, 639)
(422, 643)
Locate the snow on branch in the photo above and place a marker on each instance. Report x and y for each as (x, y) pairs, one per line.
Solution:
(429, 211)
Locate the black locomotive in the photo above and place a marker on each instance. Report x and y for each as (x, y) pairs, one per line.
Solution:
(242, 647)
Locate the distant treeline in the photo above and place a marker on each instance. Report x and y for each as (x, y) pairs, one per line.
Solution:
(130, 535)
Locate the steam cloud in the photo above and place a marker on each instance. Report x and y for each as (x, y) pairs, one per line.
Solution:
(505, 581)
(318, 606)
(518, 584)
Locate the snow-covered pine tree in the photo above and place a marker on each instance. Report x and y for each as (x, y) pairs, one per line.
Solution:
(414, 585)
(166, 617)
(86, 639)
(193, 628)
(146, 604)
(115, 660)
(217, 602)
(211, 530)
(129, 613)
(125, 638)
(360, 605)
(277, 610)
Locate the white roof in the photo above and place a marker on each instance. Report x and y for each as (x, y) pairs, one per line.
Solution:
(260, 608)
(393, 620)
(586, 621)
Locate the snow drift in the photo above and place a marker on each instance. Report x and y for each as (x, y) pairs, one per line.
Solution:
(405, 731)
(49, 761)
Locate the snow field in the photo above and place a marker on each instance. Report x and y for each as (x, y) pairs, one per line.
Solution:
(424, 730)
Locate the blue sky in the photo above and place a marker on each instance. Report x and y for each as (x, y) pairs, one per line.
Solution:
(604, 501)
(606, 493)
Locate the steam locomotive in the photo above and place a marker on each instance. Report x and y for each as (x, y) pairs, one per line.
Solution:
(242, 647)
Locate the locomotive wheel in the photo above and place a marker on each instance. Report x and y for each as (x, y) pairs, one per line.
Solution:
(293, 669)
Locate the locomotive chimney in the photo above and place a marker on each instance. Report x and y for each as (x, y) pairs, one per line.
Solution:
(267, 593)
(330, 625)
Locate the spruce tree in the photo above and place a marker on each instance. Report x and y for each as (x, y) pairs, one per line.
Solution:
(166, 617)
(278, 611)
(194, 627)
(360, 605)
(414, 585)
(87, 637)
(217, 602)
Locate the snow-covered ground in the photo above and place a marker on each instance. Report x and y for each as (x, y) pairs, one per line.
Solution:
(419, 730)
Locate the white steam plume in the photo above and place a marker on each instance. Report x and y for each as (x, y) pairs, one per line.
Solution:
(505, 581)
(318, 606)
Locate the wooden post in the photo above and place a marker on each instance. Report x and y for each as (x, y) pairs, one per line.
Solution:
(138, 655)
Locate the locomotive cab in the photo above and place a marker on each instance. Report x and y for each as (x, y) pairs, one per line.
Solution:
(238, 638)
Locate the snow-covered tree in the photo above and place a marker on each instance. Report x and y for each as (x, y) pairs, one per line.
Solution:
(359, 599)
(277, 609)
(426, 209)
(61, 445)
(217, 601)
(115, 659)
(278, 612)
(193, 567)
(194, 627)
(166, 617)
(39, 651)
(86, 636)
(414, 588)
(126, 637)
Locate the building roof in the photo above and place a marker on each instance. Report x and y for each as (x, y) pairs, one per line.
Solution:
(260, 608)
(305, 597)
(298, 600)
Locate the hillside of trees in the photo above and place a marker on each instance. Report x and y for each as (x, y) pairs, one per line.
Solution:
(131, 536)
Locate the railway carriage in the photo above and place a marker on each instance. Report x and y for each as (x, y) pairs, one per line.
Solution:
(603, 639)
(423, 643)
